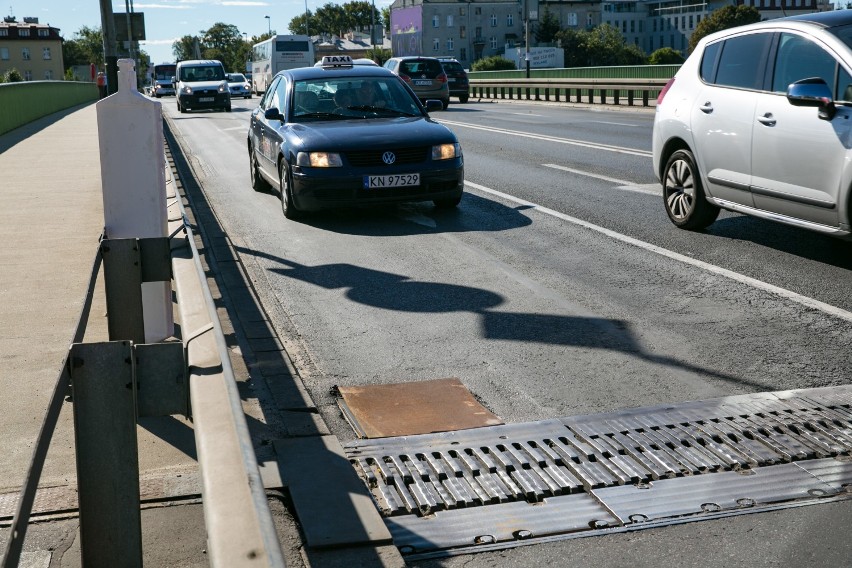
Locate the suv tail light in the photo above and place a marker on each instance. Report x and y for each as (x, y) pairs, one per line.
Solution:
(405, 78)
(665, 90)
(442, 78)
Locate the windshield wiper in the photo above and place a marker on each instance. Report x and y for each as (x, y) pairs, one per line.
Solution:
(319, 115)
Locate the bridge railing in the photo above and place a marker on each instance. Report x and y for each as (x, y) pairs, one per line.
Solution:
(630, 92)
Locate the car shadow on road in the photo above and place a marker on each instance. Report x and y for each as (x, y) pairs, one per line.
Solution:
(783, 238)
(417, 218)
(395, 292)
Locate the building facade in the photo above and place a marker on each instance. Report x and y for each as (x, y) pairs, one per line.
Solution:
(34, 49)
(467, 31)
(472, 29)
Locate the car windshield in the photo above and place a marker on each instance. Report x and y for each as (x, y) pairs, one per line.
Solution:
(202, 73)
(236, 78)
(352, 97)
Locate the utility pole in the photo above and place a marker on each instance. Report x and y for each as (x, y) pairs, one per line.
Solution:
(110, 57)
(527, 35)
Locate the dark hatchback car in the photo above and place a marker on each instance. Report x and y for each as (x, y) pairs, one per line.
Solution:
(456, 78)
(342, 135)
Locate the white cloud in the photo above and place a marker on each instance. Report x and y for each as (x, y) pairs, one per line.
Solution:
(157, 42)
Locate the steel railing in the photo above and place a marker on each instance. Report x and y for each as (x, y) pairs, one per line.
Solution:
(580, 90)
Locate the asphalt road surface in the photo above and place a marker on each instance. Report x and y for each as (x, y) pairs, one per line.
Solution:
(557, 288)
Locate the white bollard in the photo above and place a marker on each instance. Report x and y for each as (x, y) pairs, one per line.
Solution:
(130, 132)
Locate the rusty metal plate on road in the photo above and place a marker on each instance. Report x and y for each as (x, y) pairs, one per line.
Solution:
(421, 407)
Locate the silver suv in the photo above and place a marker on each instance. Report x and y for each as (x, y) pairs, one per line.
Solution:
(425, 76)
(758, 120)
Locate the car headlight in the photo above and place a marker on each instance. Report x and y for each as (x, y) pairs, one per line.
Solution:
(187, 90)
(446, 151)
(223, 88)
(319, 159)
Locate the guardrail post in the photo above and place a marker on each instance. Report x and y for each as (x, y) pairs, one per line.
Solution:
(616, 94)
(644, 98)
(107, 460)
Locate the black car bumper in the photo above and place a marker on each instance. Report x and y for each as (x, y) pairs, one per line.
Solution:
(315, 188)
(204, 100)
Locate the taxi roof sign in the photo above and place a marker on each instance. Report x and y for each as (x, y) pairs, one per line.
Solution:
(337, 61)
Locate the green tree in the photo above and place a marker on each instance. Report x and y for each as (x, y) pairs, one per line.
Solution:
(576, 54)
(223, 42)
(493, 63)
(85, 47)
(297, 24)
(13, 76)
(386, 18)
(185, 48)
(665, 56)
(360, 14)
(548, 28)
(722, 19)
(331, 19)
(379, 54)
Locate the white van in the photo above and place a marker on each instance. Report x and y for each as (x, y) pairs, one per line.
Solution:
(202, 84)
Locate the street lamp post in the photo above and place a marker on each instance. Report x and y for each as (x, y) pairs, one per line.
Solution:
(269, 24)
(307, 30)
(527, 35)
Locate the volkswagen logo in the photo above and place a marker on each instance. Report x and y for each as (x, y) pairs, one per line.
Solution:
(388, 158)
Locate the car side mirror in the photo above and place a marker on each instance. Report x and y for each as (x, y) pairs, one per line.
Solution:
(434, 104)
(273, 113)
(812, 92)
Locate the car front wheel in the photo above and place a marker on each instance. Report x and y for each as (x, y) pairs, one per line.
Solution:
(683, 194)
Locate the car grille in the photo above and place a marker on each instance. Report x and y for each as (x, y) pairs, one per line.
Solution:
(374, 157)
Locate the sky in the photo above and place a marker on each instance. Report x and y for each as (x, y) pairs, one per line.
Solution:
(168, 20)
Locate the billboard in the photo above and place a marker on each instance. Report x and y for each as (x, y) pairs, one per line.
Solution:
(137, 23)
(406, 31)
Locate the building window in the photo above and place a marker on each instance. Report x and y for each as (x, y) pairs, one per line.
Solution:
(450, 45)
(28, 75)
(23, 32)
(510, 20)
(493, 21)
(697, 19)
(462, 32)
(633, 26)
(25, 54)
(45, 53)
(4, 53)
(478, 33)
(589, 21)
(461, 11)
(4, 32)
(624, 26)
(436, 22)
(436, 44)
(691, 23)
(48, 75)
(43, 32)
(478, 10)
(655, 25)
(572, 19)
(462, 53)
(493, 42)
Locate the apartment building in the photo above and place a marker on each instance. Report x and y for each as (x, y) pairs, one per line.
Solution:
(34, 49)
(466, 30)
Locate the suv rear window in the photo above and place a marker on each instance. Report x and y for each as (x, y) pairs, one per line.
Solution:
(428, 67)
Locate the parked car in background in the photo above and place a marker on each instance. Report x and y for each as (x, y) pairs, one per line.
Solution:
(758, 120)
(425, 76)
(456, 78)
(342, 135)
(239, 85)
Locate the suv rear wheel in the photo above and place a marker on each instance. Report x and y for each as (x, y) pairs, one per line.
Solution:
(683, 194)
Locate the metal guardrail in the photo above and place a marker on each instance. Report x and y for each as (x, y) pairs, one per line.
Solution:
(592, 91)
(240, 529)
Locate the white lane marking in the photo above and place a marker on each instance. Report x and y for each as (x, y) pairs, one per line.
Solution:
(620, 183)
(617, 123)
(735, 276)
(525, 114)
(594, 145)
(243, 127)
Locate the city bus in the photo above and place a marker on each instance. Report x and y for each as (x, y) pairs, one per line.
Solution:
(161, 79)
(276, 54)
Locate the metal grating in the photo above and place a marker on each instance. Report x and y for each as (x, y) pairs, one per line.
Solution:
(644, 464)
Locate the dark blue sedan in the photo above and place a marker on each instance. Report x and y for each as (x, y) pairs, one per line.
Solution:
(342, 135)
